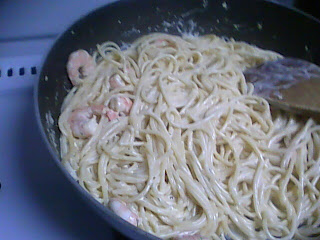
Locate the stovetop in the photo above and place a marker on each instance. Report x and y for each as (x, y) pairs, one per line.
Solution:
(36, 202)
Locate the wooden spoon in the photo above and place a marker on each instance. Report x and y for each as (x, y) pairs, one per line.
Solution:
(290, 84)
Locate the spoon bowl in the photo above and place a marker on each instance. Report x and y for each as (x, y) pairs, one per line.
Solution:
(290, 84)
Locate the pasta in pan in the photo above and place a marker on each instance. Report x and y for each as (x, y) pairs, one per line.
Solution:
(169, 134)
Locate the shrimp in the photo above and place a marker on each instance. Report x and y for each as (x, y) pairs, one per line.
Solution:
(112, 115)
(120, 208)
(161, 42)
(115, 81)
(80, 65)
(190, 237)
(121, 104)
(129, 70)
(83, 121)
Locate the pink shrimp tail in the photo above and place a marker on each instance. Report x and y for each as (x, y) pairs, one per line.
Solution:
(80, 64)
(112, 115)
(127, 103)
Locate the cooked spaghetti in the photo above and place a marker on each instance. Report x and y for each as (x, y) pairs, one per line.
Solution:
(197, 153)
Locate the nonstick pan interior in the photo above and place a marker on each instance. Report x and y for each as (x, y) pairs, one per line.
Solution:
(262, 23)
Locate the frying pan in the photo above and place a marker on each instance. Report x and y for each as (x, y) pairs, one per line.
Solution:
(267, 25)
